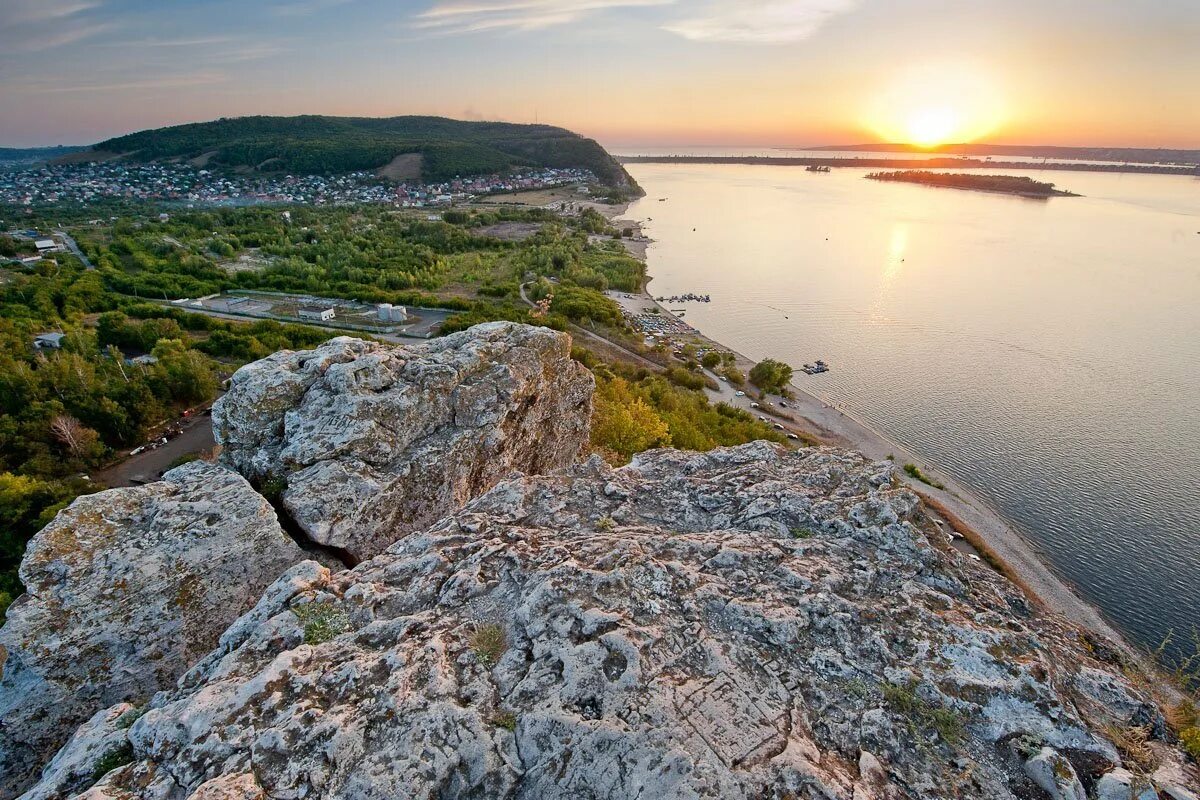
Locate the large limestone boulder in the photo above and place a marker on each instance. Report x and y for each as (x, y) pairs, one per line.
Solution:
(127, 589)
(377, 440)
(748, 623)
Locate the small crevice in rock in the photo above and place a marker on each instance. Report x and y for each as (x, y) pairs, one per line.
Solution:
(327, 554)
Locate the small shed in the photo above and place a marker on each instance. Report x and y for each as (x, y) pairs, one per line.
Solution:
(317, 313)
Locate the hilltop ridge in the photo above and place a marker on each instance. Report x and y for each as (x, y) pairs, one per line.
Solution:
(439, 148)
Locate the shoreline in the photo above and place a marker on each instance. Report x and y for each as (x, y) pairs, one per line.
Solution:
(963, 509)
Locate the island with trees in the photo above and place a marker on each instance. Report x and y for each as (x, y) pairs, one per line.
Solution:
(1004, 184)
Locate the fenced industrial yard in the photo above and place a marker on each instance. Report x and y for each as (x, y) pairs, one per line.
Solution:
(312, 310)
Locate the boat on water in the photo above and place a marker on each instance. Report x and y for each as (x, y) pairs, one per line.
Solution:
(818, 168)
(816, 368)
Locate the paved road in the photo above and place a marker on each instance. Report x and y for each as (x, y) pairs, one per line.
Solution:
(74, 248)
(148, 465)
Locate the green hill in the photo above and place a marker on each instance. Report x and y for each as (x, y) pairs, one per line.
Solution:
(330, 145)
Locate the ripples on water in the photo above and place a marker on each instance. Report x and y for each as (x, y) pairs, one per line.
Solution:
(1044, 352)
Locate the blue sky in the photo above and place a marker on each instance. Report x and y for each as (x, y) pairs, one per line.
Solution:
(629, 72)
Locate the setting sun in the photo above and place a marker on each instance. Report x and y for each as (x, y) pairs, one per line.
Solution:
(929, 127)
(931, 105)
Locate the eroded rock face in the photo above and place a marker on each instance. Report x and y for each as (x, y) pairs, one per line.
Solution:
(748, 623)
(378, 440)
(126, 589)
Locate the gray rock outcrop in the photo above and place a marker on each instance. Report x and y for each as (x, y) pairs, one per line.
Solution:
(74, 769)
(127, 589)
(747, 623)
(1121, 784)
(1054, 774)
(377, 440)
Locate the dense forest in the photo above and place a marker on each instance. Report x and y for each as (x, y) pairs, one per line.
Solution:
(65, 413)
(1009, 184)
(328, 145)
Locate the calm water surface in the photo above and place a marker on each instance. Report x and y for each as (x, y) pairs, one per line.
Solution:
(1044, 352)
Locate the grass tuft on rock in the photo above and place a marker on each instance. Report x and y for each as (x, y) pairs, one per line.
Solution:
(126, 720)
(113, 759)
(321, 621)
(923, 714)
(506, 720)
(489, 643)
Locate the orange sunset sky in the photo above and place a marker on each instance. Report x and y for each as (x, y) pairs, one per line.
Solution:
(627, 72)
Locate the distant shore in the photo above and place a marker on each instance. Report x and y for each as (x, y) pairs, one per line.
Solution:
(984, 528)
(930, 163)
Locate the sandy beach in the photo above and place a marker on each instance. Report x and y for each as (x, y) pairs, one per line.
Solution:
(984, 528)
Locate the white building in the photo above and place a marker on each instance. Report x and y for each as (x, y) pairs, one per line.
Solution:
(45, 245)
(390, 313)
(316, 313)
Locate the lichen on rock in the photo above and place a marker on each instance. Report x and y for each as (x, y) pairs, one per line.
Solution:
(656, 630)
(127, 589)
(754, 622)
(375, 440)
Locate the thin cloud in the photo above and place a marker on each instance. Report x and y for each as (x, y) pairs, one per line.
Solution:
(169, 82)
(216, 49)
(33, 12)
(198, 41)
(770, 21)
(473, 16)
(33, 25)
(304, 8)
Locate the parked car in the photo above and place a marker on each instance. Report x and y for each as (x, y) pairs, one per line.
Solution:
(754, 405)
(739, 394)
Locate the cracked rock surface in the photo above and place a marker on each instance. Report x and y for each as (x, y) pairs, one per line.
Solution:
(125, 590)
(377, 440)
(747, 623)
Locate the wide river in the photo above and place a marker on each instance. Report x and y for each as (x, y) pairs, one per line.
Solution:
(1045, 353)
